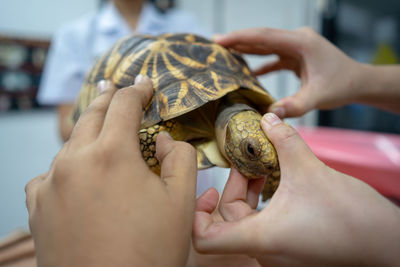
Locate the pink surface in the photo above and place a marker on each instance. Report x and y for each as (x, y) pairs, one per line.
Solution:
(371, 157)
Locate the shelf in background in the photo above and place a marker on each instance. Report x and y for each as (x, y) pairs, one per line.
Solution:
(380, 8)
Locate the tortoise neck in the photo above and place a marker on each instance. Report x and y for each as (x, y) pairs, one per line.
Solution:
(225, 113)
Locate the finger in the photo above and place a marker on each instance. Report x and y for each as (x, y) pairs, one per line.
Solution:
(91, 121)
(293, 106)
(210, 235)
(208, 201)
(293, 153)
(178, 166)
(254, 49)
(255, 187)
(214, 237)
(272, 40)
(274, 66)
(233, 205)
(205, 206)
(123, 118)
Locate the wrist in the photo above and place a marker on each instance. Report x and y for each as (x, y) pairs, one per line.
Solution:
(378, 86)
(364, 80)
(366, 87)
(350, 88)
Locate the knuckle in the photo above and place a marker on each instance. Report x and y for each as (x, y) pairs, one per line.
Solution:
(123, 92)
(298, 107)
(29, 185)
(106, 146)
(136, 92)
(97, 107)
(146, 93)
(61, 170)
(106, 154)
(64, 168)
(198, 245)
(185, 148)
(306, 30)
(32, 190)
(308, 38)
(34, 182)
(284, 133)
(263, 30)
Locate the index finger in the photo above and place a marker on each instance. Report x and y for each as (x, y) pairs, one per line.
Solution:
(123, 118)
(240, 196)
(261, 41)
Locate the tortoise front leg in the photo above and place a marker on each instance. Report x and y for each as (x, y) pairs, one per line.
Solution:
(147, 139)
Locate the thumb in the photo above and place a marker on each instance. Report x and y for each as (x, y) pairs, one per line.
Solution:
(293, 106)
(293, 153)
(178, 165)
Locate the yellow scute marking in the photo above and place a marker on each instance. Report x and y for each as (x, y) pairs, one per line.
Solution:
(182, 93)
(174, 71)
(190, 38)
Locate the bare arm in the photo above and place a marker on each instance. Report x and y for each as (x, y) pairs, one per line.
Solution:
(380, 87)
(329, 78)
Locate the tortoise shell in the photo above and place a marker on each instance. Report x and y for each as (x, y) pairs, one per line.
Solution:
(187, 72)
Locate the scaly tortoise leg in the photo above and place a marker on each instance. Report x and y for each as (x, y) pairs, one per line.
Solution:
(148, 137)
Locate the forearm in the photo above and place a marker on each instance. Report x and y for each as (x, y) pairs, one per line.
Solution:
(379, 86)
(385, 244)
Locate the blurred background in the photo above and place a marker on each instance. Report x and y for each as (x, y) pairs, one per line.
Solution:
(366, 30)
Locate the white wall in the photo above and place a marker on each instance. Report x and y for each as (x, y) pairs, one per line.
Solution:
(28, 144)
(29, 140)
(40, 18)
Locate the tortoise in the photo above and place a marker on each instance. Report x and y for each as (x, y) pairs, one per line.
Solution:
(204, 94)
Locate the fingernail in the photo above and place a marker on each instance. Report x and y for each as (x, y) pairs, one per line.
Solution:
(269, 120)
(139, 78)
(103, 85)
(279, 111)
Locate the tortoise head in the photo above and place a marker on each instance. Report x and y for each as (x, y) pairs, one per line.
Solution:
(247, 147)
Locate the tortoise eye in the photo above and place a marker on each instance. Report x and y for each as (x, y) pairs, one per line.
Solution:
(250, 148)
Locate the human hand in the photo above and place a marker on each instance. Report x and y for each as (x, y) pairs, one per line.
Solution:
(329, 78)
(197, 259)
(100, 205)
(317, 216)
